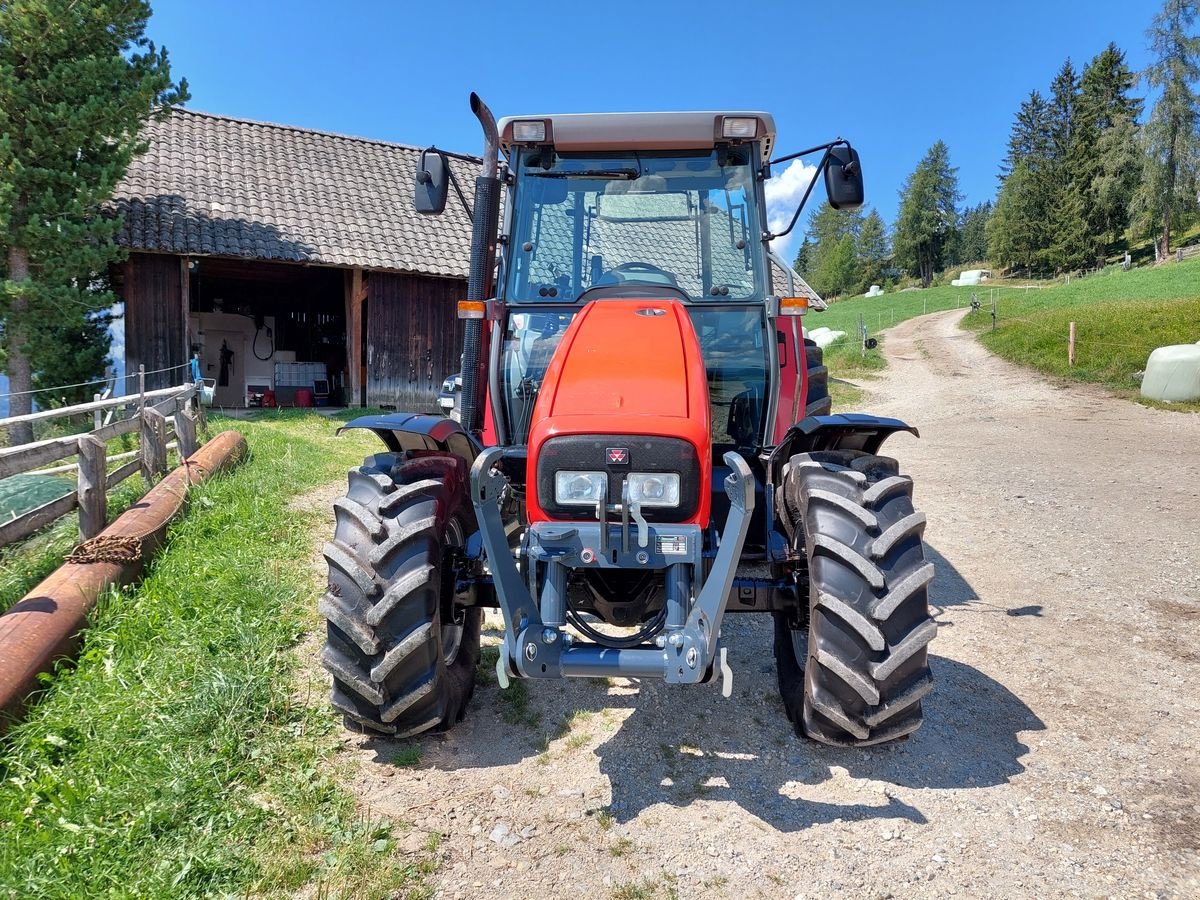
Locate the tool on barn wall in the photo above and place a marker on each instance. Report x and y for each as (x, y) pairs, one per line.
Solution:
(226, 364)
(260, 325)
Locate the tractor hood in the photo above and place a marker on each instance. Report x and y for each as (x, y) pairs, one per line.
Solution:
(630, 359)
(626, 368)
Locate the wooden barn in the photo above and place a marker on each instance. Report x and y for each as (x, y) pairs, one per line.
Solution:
(291, 261)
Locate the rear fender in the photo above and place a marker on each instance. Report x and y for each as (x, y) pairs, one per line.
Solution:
(846, 431)
(419, 431)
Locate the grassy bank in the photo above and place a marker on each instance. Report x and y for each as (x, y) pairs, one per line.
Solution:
(174, 759)
(1113, 341)
(1120, 317)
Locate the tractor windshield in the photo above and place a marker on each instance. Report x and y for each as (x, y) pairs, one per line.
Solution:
(683, 219)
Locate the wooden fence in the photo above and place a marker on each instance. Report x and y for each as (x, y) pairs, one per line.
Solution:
(154, 415)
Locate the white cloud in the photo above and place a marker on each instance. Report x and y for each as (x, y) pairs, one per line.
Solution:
(783, 192)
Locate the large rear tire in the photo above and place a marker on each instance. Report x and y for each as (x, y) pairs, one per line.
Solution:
(853, 672)
(401, 650)
(817, 401)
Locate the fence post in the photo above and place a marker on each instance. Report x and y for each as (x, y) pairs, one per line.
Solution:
(92, 490)
(1071, 345)
(185, 429)
(97, 414)
(141, 389)
(154, 444)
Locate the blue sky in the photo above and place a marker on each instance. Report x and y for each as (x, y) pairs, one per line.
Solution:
(893, 77)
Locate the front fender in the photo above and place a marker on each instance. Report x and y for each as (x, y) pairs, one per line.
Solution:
(419, 431)
(845, 431)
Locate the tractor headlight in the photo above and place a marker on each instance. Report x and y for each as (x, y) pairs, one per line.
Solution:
(653, 488)
(580, 488)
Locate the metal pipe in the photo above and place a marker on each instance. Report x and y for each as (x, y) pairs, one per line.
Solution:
(476, 336)
(554, 595)
(679, 594)
(590, 660)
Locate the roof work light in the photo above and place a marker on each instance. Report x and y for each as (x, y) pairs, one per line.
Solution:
(529, 132)
(739, 128)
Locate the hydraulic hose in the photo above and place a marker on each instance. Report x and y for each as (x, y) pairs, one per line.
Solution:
(479, 281)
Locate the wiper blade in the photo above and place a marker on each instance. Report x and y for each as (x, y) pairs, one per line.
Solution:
(588, 173)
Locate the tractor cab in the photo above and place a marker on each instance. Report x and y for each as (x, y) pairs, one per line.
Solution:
(638, 206)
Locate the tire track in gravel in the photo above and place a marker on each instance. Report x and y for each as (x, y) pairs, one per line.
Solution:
(1058, 754)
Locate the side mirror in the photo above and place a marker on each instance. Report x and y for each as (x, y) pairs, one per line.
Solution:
(432, 183)
(843, 179)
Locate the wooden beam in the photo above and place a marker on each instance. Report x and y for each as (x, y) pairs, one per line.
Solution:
(35, 519)
(182, 392)
(116, 476)
(356, 295)
(185, 303)
(185, 430)
(93, 483)
(154, 444)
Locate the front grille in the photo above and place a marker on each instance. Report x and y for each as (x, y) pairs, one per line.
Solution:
(589, 452)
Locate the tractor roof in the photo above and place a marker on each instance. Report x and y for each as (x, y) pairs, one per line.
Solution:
(640, 130)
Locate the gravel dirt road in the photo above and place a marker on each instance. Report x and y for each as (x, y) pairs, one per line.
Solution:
(1059, 752)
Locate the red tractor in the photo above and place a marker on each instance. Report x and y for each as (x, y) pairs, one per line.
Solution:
(644, 447)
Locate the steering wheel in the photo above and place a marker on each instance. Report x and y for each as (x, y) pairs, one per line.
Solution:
(619, 272)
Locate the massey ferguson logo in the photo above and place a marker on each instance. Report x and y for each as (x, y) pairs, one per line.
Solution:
(618, 455)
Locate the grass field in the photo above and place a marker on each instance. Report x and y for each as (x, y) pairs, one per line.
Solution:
(175, 759)
(1120, 317)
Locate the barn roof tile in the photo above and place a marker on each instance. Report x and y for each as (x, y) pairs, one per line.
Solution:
(232, 187)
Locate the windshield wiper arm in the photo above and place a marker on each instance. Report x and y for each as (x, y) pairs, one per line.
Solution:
(588, 173)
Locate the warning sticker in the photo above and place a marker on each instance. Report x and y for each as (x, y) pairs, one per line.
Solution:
(671, 544)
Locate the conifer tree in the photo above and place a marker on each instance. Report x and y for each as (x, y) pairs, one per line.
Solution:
(1166, 198)
(873, 250)
(928, 214)
(77, 81)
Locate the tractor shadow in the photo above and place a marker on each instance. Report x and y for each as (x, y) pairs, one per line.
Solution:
(678, 745)
(950, 590)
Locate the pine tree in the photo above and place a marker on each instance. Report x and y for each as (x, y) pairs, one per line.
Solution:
(832, 268)
(1018, 231)
(1017, 234)
(873, 250)
(1030, 137)
(1103, 160)
(972, 246)
(804, 258)
(77, 80)
(1166, 198)
(1067, 248)
(928, 214)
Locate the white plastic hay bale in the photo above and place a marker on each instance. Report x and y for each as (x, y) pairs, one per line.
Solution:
(874, 291)
(1173, 374)
(823, 337)
(970, 277)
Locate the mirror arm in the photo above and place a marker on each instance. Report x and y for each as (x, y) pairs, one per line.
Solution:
(840, 142)
(461, 197)
(828, 148)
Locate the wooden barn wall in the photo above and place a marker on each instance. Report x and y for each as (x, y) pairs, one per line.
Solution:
(414, 339)
(153, 318)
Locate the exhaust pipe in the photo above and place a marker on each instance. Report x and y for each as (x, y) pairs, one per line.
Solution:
(477, 337)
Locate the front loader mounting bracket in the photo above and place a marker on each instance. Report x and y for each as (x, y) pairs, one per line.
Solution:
(536, 645)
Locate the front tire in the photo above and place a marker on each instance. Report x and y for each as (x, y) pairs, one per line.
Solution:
(854, 672)
(401, 645)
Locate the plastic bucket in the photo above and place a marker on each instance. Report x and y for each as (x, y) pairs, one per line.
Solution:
(304, 397)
